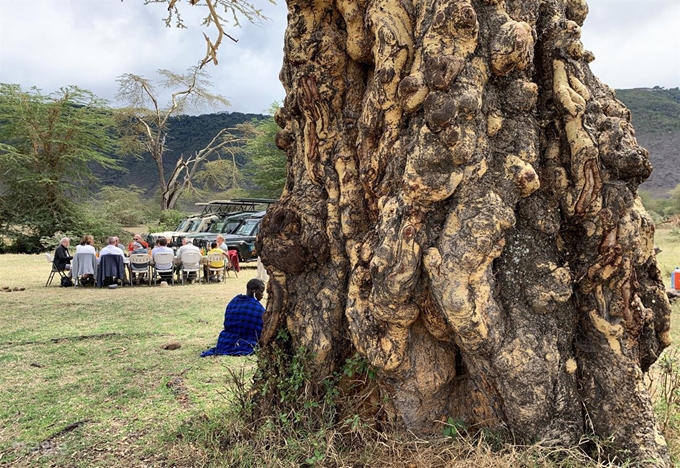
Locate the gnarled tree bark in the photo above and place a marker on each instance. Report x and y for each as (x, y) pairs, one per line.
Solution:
(461, 209)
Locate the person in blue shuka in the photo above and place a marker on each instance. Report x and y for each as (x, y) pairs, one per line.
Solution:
(242, 323)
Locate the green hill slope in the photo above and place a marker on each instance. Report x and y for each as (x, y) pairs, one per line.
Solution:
(656, 118)
(187, 135)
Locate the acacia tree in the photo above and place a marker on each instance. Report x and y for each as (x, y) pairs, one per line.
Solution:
(266, 166)
(461, 209)
(49, 144)
(146, 128)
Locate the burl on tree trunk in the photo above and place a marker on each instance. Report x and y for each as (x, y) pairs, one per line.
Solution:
(461, 209)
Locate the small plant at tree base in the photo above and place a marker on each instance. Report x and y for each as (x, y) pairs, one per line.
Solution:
(667, 389)
(454, 427)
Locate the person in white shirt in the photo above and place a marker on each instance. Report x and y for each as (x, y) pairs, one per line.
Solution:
(111, 248)
(187, 246)
(86, 244)
(162, 247)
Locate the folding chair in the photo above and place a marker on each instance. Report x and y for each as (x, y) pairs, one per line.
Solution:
(232, 262)
(191, 262)
(62, 273)
(216, 258)
(163, 258)
(139, 266)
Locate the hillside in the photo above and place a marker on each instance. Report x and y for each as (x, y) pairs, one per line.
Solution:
(188, 134)
(656, 118)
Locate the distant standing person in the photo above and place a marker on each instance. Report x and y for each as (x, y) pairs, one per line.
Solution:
(242, 323)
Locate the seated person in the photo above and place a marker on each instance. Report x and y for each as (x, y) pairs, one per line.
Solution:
(136, 240)
(162, 247)
(138, 270)
(62, 257)
(233, 258)
(187, 246)
(111, 247)
(214, 276)
(86, 246)
(117, 244)
(242, 323)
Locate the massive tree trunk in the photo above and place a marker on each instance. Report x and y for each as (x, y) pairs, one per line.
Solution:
(461, 209)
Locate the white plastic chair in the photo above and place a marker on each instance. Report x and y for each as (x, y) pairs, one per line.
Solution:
(139, 265)
(216, 258)
(163, 258)
(191, 262)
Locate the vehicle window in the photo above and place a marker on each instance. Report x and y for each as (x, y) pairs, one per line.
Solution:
(216, 227)
(194, 225)
(249, 227)
(181, 225)
(231, 226)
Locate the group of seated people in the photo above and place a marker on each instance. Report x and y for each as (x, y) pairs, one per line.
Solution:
(86, 272)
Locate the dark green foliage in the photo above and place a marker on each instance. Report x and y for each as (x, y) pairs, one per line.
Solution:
(266, 166)
(662, 208)
(654, 110)
(49, 143)
(168, 220)
(187, 134)
(125, 206)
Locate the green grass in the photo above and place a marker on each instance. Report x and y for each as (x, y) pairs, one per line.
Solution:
(95, 358)
(669, 257)
(85, 382)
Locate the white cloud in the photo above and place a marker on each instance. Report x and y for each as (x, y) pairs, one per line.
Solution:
(636, 44)
(52, 43)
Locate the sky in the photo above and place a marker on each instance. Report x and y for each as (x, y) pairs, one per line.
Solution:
(89, 43)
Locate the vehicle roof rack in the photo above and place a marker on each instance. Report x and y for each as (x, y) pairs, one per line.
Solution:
(237, 205)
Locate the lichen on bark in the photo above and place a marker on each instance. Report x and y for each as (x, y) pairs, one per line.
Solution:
(461, 209)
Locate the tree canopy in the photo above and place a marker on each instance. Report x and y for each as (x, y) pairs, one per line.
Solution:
(49, 145)
(145, 123)
(266, 166)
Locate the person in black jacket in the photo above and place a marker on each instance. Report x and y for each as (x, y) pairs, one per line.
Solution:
(62, 257)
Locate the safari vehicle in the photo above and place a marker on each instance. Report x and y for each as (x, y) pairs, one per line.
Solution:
(184, 226)
(225, 225)
(212, 212)
(243, 240)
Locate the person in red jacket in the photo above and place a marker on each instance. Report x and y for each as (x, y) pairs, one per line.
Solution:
(136, 239)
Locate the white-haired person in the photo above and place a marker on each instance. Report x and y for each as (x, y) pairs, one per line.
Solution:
(187, 246)
(62, 256)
